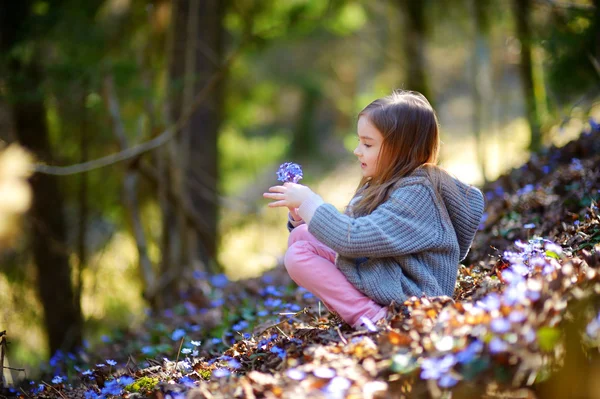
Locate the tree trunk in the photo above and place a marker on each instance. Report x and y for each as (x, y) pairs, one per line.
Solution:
(415, 34)
(191, 164)
(202, 165)
(522, 11)
(481, 78)
(62, 314)
(305, 142)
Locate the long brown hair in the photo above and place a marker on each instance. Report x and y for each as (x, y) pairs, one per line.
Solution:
(409, 127)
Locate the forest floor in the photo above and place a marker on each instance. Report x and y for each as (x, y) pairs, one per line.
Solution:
(524, 321)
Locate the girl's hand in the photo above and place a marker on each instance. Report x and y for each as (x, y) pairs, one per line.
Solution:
(291, 195)
(294, 213)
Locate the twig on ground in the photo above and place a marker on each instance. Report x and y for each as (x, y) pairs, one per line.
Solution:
(57, 391)
(344, 340)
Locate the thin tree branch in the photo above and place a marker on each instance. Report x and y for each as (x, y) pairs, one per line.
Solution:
(130, 188)
(135, 151)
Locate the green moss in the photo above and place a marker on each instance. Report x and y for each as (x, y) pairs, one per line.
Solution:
(205, 374)
(144, 384)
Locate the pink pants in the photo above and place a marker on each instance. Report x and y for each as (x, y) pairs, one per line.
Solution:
(311, 264)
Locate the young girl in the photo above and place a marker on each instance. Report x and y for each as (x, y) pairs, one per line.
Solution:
(404, 232)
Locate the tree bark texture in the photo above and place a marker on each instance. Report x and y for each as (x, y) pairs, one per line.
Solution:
(415, 36)
(196, 57)
(522, 11)
(62, 315)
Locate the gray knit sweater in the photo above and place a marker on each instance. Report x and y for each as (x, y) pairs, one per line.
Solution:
(409, 245)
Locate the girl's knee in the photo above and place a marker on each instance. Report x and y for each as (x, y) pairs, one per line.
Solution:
(294, 260)
(298, 234)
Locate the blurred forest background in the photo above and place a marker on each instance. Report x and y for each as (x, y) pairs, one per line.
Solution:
(152, 128)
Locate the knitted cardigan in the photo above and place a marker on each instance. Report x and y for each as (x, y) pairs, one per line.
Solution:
(409, 245)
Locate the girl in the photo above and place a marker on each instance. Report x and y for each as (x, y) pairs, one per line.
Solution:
(404, 232)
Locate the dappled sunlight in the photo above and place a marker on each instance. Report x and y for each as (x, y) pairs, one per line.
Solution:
(112, 286)
(20, 316)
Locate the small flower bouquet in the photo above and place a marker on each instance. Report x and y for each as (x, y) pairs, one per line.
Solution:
(289, 172)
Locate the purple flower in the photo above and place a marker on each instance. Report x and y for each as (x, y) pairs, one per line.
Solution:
(220, 373)
(125, 380)
(433, 369)
(296, 374)
(324, 372)
(90, 394)
(187, 381)
(468, 354)
(234, 364)
(289, 172)
(338, 386)
(196, 343)
(219, 280)
(178, 334)
(500, 325)
(529, 226)
(594, 125)
(447, 381)
(490, 302)
(497, 345)
(280, 352)
(57, 379)
(517, 316)
(111, 387)
(111, 362)
(186, 351)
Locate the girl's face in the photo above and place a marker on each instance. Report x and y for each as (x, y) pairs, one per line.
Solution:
(370, 141)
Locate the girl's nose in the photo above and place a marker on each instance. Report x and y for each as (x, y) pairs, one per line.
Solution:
(356, 151)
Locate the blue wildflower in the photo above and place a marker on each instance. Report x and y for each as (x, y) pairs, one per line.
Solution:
(146, 350)
(324, 372)
(433, 369)
(517, 316)
(111, 362)
(296, 374)
(221, 372)
(500, 325)
(593, 327)
(111, 387)
(57, 379)
(262, 313)
(447, 381)
(219, 280)
(490, 302)
(470, 352)
(125, 380)
(199, 275)
(187, 381)
(497, 345)
(529, 226)
(234, 364)
(279, 351)
(178, 334)
(289, 172)
(243, 324)
(87, 372)
(273, 303)
(217, 303)
(186, 351)
(215, 341)
(91, 394)
(595, 126)
(196, 343)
